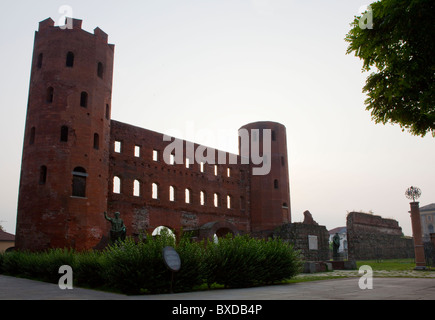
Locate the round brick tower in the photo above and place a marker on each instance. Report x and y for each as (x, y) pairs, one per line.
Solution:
(65, 163)
(266, 149)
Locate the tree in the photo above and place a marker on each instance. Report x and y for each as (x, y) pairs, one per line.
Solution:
(400, 47)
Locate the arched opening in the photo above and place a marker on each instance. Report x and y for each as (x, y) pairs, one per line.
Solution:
(116, 185)
(202, 198)
(155, 191)
(32, 136)
(84, 99)
(136, 188)
(43, 175)
(172, 194)
(64, 134)
(96, 141)
(222, 233)
(79, 182)
(188, 193)
(163, 231)
(70, 59)
(50, 95)
(100, 70)
(39, 63)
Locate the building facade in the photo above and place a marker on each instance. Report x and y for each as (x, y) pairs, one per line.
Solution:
(79, 163)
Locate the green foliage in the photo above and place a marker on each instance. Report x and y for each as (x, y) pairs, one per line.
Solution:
(400, 48)
(137, 267)
(244, 261)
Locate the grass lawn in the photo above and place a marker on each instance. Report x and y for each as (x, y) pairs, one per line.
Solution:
(388, 265)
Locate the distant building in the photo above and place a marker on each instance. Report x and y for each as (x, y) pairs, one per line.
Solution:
(427, 221)
(7, 241)
(342, 232)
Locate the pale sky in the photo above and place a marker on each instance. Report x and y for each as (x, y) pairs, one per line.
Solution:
(204, 68)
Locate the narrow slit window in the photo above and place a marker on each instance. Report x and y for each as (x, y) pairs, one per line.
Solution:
(107, 112)
(79, 182)
(70, 59)
(84, 99)
(172, 160)
(276, 184)
(201, 167)
(116, 185)
(187, 163)
(64, 134)
(32, 136)
(96, 141)
(229, 172)
(43, 175)
(100, 70)
(215, 170)
(50, 95)
(39, 62)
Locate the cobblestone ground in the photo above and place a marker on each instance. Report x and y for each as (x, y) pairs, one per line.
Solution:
(379, 274)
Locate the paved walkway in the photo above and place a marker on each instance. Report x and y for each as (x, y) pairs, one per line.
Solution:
(341, 289)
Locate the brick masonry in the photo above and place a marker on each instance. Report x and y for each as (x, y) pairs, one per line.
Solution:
(70, 163)
(373, 237)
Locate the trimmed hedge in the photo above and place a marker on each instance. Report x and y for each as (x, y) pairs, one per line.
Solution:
(137, 267)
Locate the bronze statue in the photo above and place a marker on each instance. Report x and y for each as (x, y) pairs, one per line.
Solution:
(118, 230)
(336, 246)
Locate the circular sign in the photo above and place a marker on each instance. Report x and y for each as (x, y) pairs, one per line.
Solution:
(172, 259)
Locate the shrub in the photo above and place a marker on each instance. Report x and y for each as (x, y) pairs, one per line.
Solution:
(135, 268)
(244, 261)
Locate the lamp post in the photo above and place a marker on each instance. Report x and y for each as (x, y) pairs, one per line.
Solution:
(413, 194)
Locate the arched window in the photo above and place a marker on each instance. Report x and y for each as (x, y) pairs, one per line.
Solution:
(216, 200)
(50, 95)
(64, 134)
(202, 198)
(155, 191)
(84, 99)
(187, 195)
(43, 175)
(70, 59)
(100, 70)
(116, 185)
(136, 188)
(79, 182)
(172, 196)
(32, 136)
(39, 62)
(107, 112)
(96, 141)
(276, 184)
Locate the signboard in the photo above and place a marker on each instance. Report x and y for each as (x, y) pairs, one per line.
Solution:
(313, 243)
(172, 259)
